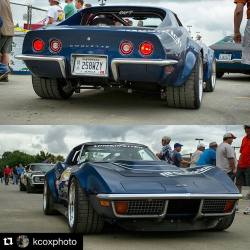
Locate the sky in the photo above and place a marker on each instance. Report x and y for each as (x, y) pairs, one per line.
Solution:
(212, 18)
(61, 139)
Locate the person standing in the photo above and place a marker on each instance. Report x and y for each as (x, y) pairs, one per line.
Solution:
(55, 13)
(177, 157)
(166, 152)
(7, 173)
(69, 9)
(80, 5)
(6, 37)
(238, 15)
(15, 175)
(196, 155)
(1, 176)
(243, 171)
(226, 157)
(20, 171)
(208, 157)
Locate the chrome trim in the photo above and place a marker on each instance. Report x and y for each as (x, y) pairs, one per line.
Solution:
(72, 63)
(229, 61)
(117, 61)
(37, 183)
(59, 59)
(167, 196)
(141, 216)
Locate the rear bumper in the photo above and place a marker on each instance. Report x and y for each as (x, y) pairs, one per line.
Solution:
(47, 66)
(121, 69)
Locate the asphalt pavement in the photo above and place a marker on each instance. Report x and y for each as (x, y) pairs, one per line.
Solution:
(229, 104)
(21, 212)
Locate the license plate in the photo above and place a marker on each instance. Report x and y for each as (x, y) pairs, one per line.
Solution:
(91, 66)
(225, 57)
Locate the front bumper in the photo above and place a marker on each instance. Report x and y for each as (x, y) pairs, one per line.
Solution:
(122, 69)
(201, 204)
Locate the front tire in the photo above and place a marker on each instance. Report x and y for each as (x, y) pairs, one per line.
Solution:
(188, 96)
(210, 84)
(48, 202)
(219, 74)
(82, 218)
(52, 88)
(29, 188)
(21, 187)
(225, 222)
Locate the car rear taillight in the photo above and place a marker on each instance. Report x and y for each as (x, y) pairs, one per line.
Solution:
(146, 48)
(55, 45)
(38, 45)
(126, 47)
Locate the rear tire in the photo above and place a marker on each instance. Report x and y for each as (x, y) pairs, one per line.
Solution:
(225, 222)
(51, 88)
(219, 74)
(211, 82)
(188, 96)
(82, 218)
(48, 203)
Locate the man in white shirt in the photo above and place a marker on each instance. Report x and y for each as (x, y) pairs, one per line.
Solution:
(196, 155)
(55, 12)
(226, 156)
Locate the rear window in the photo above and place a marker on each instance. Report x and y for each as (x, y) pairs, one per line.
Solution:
(124, 18)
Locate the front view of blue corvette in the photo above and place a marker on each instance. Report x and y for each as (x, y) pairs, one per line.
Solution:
(143, 49)
(127, 185)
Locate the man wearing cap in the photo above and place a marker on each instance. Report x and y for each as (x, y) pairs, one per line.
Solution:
(209, 156)
(226, 157)
(243, 171)
(177, 157)
(55, 12)
(196, 155)
(166, 152)
(238, 15)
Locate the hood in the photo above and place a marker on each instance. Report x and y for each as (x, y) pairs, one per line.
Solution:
(158, 177)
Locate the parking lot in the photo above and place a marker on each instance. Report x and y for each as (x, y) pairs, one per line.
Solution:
(22, 213)
(229, 104)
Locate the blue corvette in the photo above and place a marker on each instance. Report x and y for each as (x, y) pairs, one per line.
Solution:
(228, 55)
(134, 48)
(127, 185)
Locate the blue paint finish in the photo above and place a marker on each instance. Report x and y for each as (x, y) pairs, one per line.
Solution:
(171, 41)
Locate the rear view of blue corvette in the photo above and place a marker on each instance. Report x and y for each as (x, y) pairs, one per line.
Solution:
(142, 49)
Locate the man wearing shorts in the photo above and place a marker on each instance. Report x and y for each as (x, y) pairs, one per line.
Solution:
(243, 172)
(6, 35)
(238, 15)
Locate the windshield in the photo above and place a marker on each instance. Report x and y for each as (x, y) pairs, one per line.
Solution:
(42, 167)
(227, 39)
(115, 152)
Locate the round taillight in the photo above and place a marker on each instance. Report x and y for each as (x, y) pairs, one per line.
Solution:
(146, 48)
(55, 45)
(38, 45)
(126, 47)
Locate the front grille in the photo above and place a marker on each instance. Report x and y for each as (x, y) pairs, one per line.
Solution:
(146, 207)
(183, 207)
(214, 206)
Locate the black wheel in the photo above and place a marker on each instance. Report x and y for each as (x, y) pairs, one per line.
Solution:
(29, 188)
(82, 218)
(219, 74)
(21, 187)
(225, 222)
(52, 88)
(210, 84)
(190, 95)
(48, 203)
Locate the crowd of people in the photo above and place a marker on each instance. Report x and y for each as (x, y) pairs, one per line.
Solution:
(13, 173)
(220, 155)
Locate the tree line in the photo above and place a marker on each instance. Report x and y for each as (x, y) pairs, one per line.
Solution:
(15, 157)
